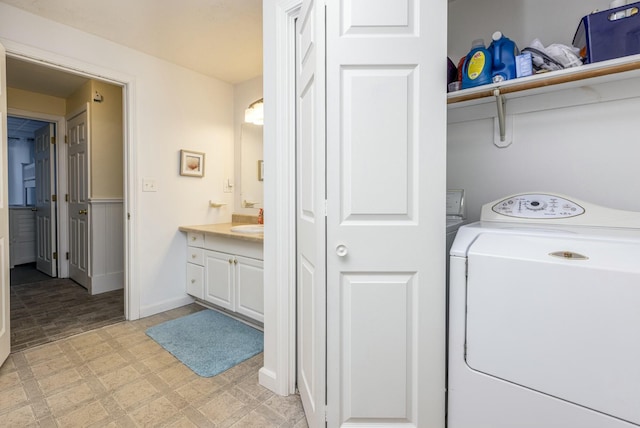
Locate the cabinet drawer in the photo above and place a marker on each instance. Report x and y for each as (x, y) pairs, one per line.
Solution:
(195, 256)
(195, 280)
(195, 239)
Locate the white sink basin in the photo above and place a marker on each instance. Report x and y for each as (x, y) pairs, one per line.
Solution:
(248, 228)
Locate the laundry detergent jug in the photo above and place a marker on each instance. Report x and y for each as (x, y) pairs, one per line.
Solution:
(476, 70)
(504, 52)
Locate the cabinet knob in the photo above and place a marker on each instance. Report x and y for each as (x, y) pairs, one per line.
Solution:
(230, 261)
(235, 261)
(193, 238)
(193, 256)
(193, 281)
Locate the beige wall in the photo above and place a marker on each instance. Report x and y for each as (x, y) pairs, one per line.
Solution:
(79, 98)
(33, 102)
(107, 142)
(106, 137)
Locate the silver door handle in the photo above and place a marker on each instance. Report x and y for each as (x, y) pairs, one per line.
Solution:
(342, 250)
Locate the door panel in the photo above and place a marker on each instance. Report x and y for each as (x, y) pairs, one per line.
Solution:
(77, 153)
(5, 334)
(45, 207)
(386, 157)
(310, 218)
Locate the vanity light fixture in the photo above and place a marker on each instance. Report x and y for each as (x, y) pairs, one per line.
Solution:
(255, 113)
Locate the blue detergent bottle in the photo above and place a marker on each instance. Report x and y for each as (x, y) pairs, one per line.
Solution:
(476, 70)
(504, 52)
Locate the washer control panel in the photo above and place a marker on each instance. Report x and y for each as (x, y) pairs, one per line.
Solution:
(537, 206)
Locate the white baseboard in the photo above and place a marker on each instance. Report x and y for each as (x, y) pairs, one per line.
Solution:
(108, 282)
(267, 378)
(167, 305)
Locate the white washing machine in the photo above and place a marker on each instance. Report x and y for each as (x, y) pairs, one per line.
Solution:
(544, 316)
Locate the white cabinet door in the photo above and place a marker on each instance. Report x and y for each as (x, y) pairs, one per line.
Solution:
(249, 284)
(219, 279)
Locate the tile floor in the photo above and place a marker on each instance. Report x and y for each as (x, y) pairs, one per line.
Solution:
(117, 376)
(44, 311)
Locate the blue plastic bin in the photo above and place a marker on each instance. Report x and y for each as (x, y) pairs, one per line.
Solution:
(609, 34)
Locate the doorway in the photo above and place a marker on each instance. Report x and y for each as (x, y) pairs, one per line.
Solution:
(26, 163)
(38, 304)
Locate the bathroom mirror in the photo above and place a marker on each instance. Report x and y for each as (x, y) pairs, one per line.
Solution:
(251, 166)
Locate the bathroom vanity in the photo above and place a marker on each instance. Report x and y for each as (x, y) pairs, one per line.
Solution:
(225, 268)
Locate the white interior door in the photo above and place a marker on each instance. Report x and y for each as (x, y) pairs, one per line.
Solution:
(45, 206)
(78, 182)
(5, 335)
(310, 216)
(386, 157)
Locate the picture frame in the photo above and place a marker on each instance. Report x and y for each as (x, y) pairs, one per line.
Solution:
(191, 163)
(260, 170)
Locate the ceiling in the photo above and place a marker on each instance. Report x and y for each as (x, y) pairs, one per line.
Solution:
(41, 79)
(20, 128)
(218, 38)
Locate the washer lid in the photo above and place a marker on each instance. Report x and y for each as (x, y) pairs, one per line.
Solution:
(568, 327)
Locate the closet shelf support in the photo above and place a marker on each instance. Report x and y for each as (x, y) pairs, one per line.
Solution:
(500, 102)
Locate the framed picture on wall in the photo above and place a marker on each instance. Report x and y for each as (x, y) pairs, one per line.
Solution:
(191, 163)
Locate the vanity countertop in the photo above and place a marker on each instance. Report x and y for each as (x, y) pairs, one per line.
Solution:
(223, 230)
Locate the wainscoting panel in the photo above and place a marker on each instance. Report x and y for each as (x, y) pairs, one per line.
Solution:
(106, 245)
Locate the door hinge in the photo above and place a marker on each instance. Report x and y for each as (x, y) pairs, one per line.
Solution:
(54, 198)
(326, 414)
(466, 268)
(128, 216)
(55, 255)
(325, 207)
(66, 139)
(66, 197)
(66, 255)
(53, 140)
(465, 351)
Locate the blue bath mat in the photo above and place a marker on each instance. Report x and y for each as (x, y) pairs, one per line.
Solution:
(208, 342)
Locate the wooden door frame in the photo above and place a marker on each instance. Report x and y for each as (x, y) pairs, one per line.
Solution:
(61, 210)
(128, 84)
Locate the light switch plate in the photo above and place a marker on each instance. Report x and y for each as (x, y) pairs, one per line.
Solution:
(149, 185)
(227, 186)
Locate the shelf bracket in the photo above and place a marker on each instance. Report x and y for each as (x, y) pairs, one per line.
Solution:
(502, 138)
